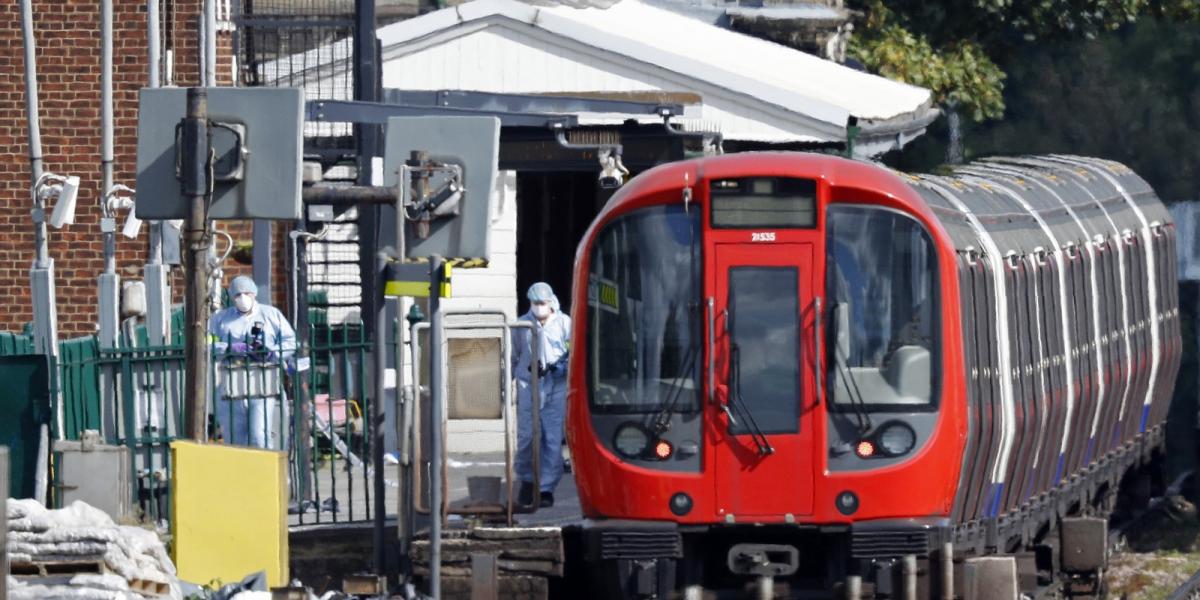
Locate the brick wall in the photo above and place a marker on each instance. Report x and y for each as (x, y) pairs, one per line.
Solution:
(68, 62)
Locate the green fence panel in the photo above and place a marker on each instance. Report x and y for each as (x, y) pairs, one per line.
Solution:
(12, 344)
(25, 404)
(79, 380)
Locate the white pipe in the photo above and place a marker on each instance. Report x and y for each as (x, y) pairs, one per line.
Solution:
(153, 43)
(154, 51)
(210, 42)
(42, 259)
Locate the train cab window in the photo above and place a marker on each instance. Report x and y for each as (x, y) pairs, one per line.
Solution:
(881, 287)
(764, 337)
(644, 314)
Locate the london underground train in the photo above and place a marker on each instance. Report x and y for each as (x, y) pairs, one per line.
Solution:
(815, 377)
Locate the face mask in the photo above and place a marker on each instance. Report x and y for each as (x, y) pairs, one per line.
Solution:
(541, 311)
(243, 302)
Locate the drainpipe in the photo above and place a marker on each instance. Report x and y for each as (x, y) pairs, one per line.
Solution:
(41, 276)
(155, 273)
(210, 43)
(109, 281)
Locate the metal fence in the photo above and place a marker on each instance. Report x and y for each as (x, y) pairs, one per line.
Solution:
(318, 404)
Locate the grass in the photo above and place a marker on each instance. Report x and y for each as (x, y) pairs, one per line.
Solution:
(1158, 561)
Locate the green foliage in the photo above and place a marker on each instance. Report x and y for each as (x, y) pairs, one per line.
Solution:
(961, 75)
(1035, 19)
(955, 47)
(1132, 96)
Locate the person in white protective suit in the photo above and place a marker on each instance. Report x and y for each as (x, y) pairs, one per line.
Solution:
(555, 326)
(246, 335)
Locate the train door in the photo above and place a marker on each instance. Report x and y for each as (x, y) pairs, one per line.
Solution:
(764, 395)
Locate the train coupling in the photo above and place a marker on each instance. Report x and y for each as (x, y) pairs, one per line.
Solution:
(772, 560)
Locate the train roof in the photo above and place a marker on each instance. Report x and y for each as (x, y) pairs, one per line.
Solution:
(1033, 203)
(1026, 204)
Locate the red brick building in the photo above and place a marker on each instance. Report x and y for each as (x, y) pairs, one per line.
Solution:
(68, 63)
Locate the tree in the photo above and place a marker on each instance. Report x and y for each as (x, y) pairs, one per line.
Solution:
(956, 48)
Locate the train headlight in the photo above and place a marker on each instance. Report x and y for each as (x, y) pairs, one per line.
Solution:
(631, 440)
(896, 438)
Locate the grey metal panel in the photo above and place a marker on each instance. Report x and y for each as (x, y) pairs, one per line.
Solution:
(273, 120)
(474, 144)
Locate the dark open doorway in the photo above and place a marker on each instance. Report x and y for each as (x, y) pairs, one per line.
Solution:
(554, 210)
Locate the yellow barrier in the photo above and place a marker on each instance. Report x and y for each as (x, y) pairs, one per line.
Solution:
(229, 513)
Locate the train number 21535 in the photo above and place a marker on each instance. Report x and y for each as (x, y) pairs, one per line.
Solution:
(762, 236)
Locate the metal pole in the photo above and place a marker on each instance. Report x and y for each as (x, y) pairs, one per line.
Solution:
(106, 138)
(31, 113)
(41, 275)
(108, 284)
(153, 43)
(367, 137)
(854, 587)
(437, 379)
(195, 188)
(398, 404)
(210, 43)
(158, 287)
(909, 571)
(948, 571)
(378, 415)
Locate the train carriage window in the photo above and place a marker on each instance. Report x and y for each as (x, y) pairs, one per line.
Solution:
(643, 310)
(882, 287)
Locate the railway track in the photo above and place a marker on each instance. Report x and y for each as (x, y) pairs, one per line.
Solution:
(1189, 590)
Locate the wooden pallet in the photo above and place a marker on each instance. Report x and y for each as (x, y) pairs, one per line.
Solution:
(63, 570)
(149, 588)
(51, 568)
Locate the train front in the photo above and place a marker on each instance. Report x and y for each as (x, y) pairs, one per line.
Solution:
(766, 378)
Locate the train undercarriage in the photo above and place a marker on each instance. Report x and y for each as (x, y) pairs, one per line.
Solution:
(1055, 546)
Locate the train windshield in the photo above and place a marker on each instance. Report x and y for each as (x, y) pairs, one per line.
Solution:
(882, 288)
(644, 313)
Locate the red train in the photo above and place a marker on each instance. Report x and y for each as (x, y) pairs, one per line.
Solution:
(800, 372)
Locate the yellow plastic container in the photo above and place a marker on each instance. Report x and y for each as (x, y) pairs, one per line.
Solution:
(229, 513)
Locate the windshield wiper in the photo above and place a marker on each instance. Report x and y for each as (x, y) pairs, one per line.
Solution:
(756, 434)
(857, 405)
(662, 421)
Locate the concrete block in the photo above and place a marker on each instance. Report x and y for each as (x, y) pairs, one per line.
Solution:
(990, 578)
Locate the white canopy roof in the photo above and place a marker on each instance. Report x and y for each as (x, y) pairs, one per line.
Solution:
(751, 89)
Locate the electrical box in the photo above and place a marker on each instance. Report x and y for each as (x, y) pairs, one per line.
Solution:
(97, 474)
(257, 143)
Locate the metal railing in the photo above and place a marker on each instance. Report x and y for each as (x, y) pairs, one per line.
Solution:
(319, 404)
